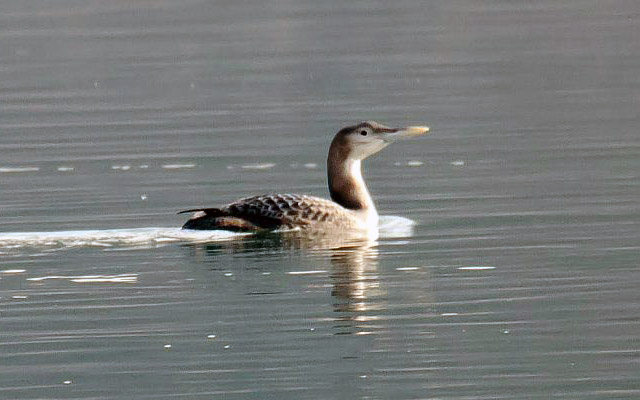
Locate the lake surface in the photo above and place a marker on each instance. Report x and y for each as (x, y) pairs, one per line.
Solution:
(519, 280)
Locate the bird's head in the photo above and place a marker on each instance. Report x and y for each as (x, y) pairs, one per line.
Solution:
(360, 141)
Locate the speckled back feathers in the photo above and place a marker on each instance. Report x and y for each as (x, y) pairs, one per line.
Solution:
(273, 211)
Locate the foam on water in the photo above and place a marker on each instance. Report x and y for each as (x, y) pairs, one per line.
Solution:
(120, 278)
(389, 227)
(139, 237)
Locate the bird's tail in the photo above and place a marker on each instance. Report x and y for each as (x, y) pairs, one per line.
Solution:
(213, 212)
(217, 219)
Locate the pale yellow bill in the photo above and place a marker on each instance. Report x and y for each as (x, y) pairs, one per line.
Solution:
(409, 131)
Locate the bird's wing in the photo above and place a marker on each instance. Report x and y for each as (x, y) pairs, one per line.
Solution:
(285, 210)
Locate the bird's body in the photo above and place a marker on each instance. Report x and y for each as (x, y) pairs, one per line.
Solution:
(277, 211)
(351, 209)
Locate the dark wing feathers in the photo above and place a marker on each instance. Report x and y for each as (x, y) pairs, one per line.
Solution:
(269, 211)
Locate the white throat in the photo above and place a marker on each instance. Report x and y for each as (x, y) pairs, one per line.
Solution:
(369, 214)
(346, 184)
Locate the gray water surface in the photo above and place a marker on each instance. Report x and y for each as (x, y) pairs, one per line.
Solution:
(519, 280)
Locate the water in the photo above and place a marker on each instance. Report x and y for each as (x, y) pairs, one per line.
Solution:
(518, 280)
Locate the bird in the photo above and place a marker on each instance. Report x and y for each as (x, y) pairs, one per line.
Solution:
(350, 208)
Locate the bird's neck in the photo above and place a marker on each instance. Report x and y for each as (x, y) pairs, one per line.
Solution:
(346, 184)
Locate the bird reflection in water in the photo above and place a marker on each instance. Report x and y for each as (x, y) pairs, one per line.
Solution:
(352, 268)
(355, 287)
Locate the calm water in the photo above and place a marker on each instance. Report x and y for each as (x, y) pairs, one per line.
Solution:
(520, 278)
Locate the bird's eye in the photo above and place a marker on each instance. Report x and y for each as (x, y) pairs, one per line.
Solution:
(363, 133)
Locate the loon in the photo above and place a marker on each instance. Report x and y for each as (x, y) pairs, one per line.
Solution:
(350, 208)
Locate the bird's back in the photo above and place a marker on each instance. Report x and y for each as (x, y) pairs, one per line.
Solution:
(274, 211)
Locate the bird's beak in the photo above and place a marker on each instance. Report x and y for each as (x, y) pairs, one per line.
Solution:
(409, 131)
